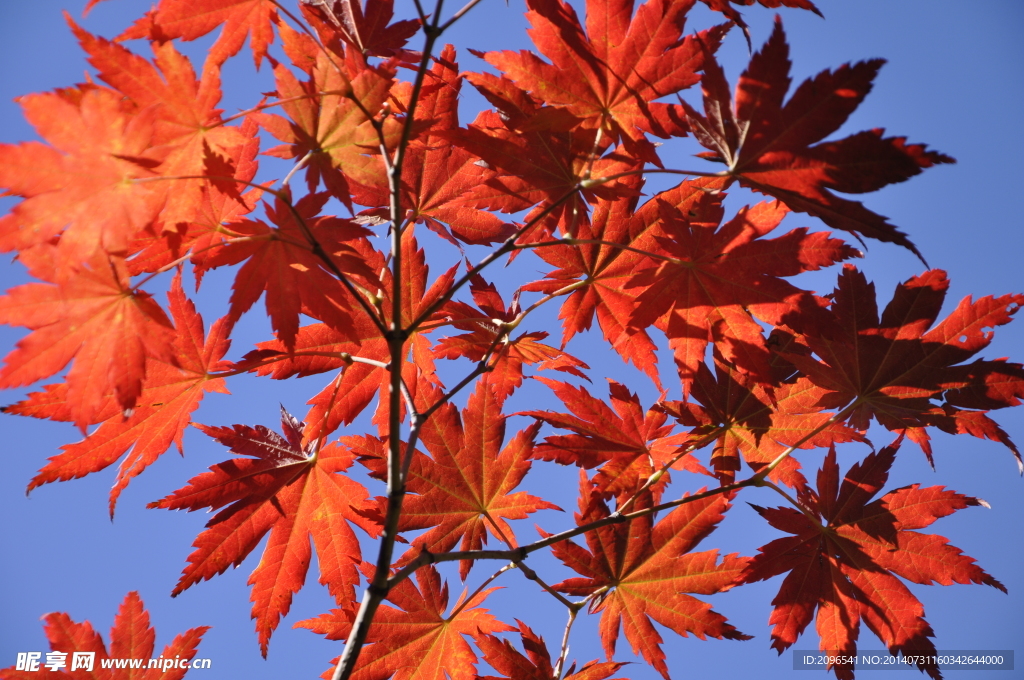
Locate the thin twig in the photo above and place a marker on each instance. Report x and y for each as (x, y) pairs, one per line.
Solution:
(458, 15)
(574, 610)
(564, 650)
(532, 575)
(396, 337)
(838, 417)
(596, 241)
(656, 477)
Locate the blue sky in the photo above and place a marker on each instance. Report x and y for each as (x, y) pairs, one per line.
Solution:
(953, 81)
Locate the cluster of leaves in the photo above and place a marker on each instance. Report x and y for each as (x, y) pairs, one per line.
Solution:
(131, 638)
(142, 177)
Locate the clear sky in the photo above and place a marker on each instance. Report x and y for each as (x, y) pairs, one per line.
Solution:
(953, 81)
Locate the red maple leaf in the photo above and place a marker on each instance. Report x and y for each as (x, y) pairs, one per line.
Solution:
(131, 637)
(464, 488)
(327, 121)
(845, 555)
(536, 665)
(905, 375)
(767, 146)
(599, 272)
(729, 11)
(714, 282)
(647, 570)
(611, 75)
(171, 392)
(290, 488)
(94, 316)
(436, 172)
(414, 639)
(320, 348)
(542, 157)
(365, 28)
(507, 356)
(191, 19)
(628, 443)
(278, 260)
(755, 423)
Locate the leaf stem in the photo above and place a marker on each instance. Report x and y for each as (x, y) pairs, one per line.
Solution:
(479, 589)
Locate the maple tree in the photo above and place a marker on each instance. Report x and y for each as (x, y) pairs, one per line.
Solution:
(139, 179)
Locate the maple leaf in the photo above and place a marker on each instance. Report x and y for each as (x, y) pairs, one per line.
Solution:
(464, 489)
(485, 324)
(210, 228)
(628, 443)
(435, 172)
(413, 639)
(847, 567)
(905, 375)
(730, 12)
(647, 570)
(600, 271)
(171, 392)
(131, 637)
(82, 187)
(327, 123)
(288, 488)
(94, 316)
(536, 665)
(542, 159)
(611, 75)
(279, 260)
(716, 280)
(365, 28)
(756, 423)
(189, 135)
(320, 348)
(767, 146)
(191, 19)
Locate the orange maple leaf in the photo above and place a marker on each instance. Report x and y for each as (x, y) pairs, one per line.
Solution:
(189, 135)
(611, 75)
(191, 19)
(627, 442)
(83, 186)
(464, 489)
(756, 423)
(131, 637)
(94, 316)
(507, 357)
(536, 665)
(171, 392)
(414, 640)
(287, 488)
(645, 571)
